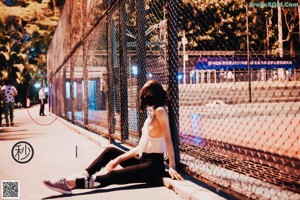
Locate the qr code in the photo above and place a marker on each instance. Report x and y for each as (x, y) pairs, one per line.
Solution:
(10, 189)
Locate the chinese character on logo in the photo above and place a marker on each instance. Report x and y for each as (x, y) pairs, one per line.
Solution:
(22, 152)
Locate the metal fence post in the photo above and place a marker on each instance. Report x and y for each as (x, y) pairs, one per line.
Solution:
(115, 65)
(110, 81)
(72, 67)
(141, 55)
(123, 71)
(85, 68)
(64, 80)
(173, 91)
(85, 88)
(73, 105)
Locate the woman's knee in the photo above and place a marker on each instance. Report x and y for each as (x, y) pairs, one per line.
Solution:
(112, 151)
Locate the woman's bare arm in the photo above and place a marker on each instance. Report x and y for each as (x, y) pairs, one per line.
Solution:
(163, 118)
(125, 156)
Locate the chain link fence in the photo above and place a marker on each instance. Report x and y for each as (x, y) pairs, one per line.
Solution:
(231, 70)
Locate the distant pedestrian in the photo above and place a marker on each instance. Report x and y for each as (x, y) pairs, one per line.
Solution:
(28, 102)
(144, 163)
(8, 93)
(42, 97)
(229, 76)
(275, 76)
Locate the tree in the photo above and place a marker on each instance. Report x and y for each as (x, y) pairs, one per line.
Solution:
(24, 41)
(11, 60)
(291, 22)
(56, 6)
(221, 25)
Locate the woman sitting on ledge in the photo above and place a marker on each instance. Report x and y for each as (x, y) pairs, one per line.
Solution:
(143, 163)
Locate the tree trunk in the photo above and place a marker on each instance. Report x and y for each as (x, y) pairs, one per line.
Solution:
(299, 20)
(54, 7)
(292, 50)
(280, 42)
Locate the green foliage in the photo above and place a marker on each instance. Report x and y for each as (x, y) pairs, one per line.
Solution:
(23, 47)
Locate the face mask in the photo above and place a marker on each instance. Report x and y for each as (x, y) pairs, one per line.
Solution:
(149, 101)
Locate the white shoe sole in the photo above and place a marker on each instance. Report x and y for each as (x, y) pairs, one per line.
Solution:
(57, 189)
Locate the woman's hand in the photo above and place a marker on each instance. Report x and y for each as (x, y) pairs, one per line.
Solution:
(174, 174)
(112, 164)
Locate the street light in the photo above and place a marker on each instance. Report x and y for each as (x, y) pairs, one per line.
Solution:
(248, 54)
(37, 85)
(179, 77)
(185, 57)
(134, 69)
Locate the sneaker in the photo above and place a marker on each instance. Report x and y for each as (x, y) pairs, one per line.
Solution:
(7, 125)
(12, 124)
(58, 185)
(92, 183)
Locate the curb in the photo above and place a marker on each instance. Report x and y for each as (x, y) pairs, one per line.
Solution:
(189, 190)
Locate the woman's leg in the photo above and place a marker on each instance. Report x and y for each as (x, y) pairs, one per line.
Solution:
(65, 185)
(149, 169)
(41, 108)
(105, 157)
(6, 113)
(11, 112)
(0, 113)
(145, 171)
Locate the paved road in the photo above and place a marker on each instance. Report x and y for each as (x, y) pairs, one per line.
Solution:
(54, 156)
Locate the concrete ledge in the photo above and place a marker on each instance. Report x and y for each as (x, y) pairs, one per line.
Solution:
(189, 190)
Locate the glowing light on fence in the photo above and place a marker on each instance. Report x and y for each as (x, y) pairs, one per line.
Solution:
(134, 69)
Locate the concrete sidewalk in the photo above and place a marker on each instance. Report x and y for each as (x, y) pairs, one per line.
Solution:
(62, 149)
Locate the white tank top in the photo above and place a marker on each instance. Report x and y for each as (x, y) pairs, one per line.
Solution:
(149, 144)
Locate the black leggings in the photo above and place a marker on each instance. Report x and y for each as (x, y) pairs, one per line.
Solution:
(150, 168)
(42, 108)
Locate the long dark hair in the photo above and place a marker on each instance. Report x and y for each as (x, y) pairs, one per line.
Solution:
(152, 94)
